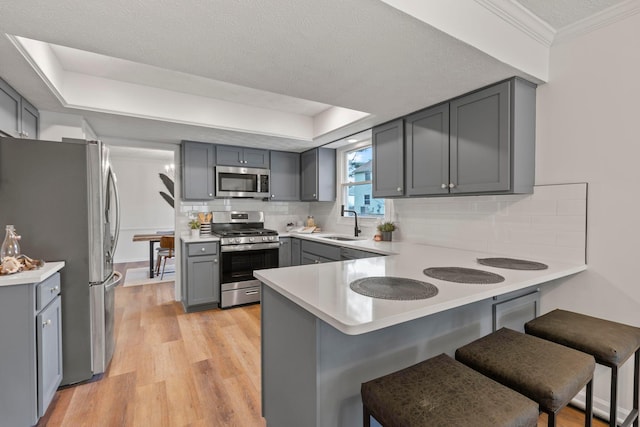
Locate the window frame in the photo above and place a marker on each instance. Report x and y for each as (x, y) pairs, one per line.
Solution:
(342, 184)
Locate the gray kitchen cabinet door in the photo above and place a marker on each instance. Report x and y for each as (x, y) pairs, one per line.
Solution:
(427, 151)
(203, 280)
(254, 158)
(49, 337)
(296, 251)
(318, 175)
(198, 179)
(29, 120)
(388, 159)
(285, 176)
(284, 254)
(229, 155)
(479, 142)
(9, 110)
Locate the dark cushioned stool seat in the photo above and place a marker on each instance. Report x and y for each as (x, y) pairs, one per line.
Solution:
(546, 372)
(611, 344)
(443, 392)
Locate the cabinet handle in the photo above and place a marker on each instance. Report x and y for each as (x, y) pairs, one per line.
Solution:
(202, 249)
(46, 323)
(314, 194)
(317, 261)
(452, 185)
(273, 195)
(215, 260)
(210, 194)
(54, 289)
(443, 186)
(251, 292)
(399, 189)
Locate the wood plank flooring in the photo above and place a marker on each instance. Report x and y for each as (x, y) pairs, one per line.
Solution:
(176, 369)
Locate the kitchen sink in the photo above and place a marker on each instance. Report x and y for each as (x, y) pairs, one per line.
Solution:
(341, 238)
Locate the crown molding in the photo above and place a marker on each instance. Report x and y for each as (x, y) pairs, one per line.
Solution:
(601, 19)
(522, 19)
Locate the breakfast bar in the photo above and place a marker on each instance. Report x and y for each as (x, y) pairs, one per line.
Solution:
(321, 340)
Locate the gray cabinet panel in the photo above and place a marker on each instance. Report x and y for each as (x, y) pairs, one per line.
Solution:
(49, 332)
(284, 254)
(427, 151)
(296, 251)
(203, 285)
(229, 155)
(198, 162)
(388, 159)
(318, 176)
(285, 176)
(30, 118)
(9, 110)
(479, 144)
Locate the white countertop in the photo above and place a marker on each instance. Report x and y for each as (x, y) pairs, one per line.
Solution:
(323, 289)
(201, 239)
(32, 276)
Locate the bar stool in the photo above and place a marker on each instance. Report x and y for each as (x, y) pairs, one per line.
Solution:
(446, 393)
(611, 343)
(547, 373)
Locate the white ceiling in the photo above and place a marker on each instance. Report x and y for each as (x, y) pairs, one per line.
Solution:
(298, 57)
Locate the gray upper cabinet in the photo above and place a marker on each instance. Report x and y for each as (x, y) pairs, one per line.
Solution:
(479, 143)
(285, 176)
(318, 176)
(198, 162)
(427, 151)
(228, 155)
(388, 160)
(492, 139)
(18, 118)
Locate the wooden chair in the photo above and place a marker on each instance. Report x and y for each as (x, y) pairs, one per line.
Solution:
(166, 250)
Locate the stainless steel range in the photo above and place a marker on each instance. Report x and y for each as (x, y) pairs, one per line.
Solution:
(245, 246)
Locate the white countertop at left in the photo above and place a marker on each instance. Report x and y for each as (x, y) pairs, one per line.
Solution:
(32, 276)
(323, 289)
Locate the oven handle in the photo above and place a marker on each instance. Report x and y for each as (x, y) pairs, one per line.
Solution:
(249, 247)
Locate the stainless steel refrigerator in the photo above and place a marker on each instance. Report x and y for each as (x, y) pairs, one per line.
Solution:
(63, 200)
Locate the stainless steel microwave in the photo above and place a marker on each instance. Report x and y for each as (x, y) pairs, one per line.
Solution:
(233, 181)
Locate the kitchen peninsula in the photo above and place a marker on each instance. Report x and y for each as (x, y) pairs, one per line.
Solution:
(321, 340)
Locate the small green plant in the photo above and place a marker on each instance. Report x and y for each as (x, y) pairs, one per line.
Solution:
(386, 226)
(194, 224)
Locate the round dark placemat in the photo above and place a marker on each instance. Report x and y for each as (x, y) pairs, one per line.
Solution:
(463, 275)
(394, 288)
(512, 263)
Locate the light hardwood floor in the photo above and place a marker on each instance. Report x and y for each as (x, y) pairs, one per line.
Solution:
(177, 369)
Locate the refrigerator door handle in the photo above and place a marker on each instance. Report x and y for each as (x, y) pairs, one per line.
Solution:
(116, 236)
(118, 278)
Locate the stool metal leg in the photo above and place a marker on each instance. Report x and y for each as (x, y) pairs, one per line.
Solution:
(588, 408)
(366, 417)
(551, 419)
(613, 415)
(636, 388)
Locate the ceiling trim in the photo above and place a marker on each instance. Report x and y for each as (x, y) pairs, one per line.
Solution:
(601, 19)
(522, 19)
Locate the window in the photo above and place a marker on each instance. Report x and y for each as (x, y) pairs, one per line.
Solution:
(356, 182)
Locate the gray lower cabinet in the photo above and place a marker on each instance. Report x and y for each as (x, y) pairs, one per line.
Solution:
(229, 155)
(284, 253)
(285, 176)
(198, 163)
(317, 253)
(387, 141)
(296, 251)
(201, 276)
(31, 350)
(18, 118)
(318, 175)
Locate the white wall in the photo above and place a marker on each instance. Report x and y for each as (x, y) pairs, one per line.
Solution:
(142, 208)
(587, 130)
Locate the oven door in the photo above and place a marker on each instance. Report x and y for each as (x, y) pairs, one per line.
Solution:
(237, 284)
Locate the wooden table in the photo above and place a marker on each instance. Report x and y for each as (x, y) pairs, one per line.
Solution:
(152, 239)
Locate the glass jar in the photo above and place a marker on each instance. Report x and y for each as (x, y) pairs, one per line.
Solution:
(10, 246)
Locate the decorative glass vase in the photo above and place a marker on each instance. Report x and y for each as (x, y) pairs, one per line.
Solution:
(10, 246)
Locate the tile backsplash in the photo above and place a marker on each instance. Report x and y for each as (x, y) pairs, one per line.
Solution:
(548, 224)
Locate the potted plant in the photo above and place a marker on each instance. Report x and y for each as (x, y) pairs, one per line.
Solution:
(385, 229)
(194, 224)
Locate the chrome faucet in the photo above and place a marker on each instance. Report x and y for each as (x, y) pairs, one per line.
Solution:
(356, 230)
